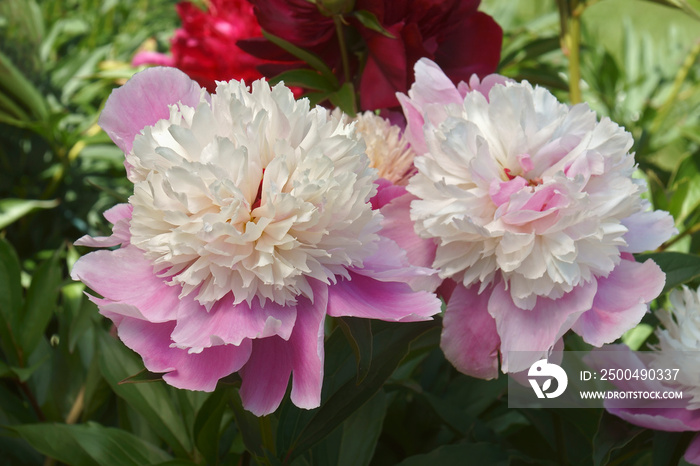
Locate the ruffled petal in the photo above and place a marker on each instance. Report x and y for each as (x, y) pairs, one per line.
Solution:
(190, 371)
(126, 276)
(143, 101)
(535, 330)
(621, 301)
(469, 337)
(231, 323)
(391, 301)
(266, 375)
(306, 348)
(119, 216)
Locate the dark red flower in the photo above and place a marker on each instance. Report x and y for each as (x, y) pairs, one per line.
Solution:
(205, 47)
(460, 39)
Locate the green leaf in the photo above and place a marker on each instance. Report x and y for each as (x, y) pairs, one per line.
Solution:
(10, 300)
(635, 337)
(311, 59)
(152, 400)
(613, 434)
(12, 210)
(23, 373)
(41, 302)
(207, 425)
(344, 99)
(681, 5)
(14, 85)
(90, 443)
(308, 79)
(391, 344)
(144, 376)
(370, 21)
(460, 454)
(359, 335)
(679, 268)
(256, 431)
(361, 432)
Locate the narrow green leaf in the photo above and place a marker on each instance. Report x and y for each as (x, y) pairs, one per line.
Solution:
(10, 300)
(460, 454)
(680, 268)
(207, 425)
(635, 337)
(90, 443)
(359, 335)
(249, 425)
(23, 373)
(308, 79)
(311, 59)
(41, 302)
(152, 400)
(17, 87)
(344, 99)
(12, 210)
(144, 376)
(370, 21)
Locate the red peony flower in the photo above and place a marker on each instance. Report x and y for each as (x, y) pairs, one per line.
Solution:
(205, 47)
(460, 39)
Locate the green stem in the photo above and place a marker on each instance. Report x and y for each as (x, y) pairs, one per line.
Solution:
(570, 24)
(694, 229)
(343, 48)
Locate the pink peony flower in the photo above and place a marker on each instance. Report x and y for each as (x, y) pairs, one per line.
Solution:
(250, 222)
(205, 47)
(536, 215)
(678, 341)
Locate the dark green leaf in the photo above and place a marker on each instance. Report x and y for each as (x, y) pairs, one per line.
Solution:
(308, 79)
(391, 344)
(23, 373)
(370, 21)
(41, 303)
(344, 99)
(256, 431)
(613, 434)
(680, 268)
(312, 60)
(207, 425)
(90, 444)
(460, 454)
(152, 400)
(10, 300)
(359, 335)
(361, 432)
(14, 85)
(143, 376)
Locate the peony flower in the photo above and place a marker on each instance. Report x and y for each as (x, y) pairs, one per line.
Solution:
(462, 40)
(679, 340)
(205, 47)
(250, 222)
(536, 214)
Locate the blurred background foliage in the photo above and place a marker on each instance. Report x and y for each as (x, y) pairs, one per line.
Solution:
(61, 399)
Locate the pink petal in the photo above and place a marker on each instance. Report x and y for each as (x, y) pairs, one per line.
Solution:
(306, 348)
(126, 276)
(621, 301)
(143, 101)
(483, 86)
(397, 225)
(432, 85)
(391, 301)
(119, 216)
(386, 192)
(265, 375)
(469, 337)
(414, 124)
(535, 330)
(152, 58)
(231, 324)
(692, 454)
(196, 371)
(647, 230)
